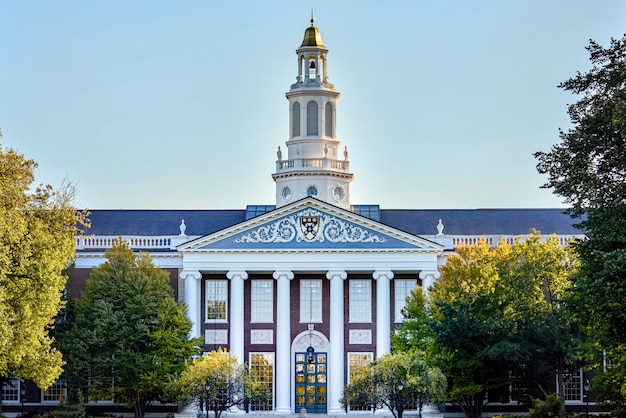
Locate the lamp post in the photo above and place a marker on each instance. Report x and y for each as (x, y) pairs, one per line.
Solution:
(207, 388)
(22, 395)
(587, 387)
(399, 406)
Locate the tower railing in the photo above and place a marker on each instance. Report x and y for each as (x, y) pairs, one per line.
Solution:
(312, 164)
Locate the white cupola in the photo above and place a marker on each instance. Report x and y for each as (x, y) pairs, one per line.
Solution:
(314, 164)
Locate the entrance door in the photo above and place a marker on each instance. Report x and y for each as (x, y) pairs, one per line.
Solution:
(311, 383)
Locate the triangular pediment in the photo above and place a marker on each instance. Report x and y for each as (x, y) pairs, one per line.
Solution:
(310, 225)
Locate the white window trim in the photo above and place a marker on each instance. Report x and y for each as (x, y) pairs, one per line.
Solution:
(253, 314)
(363, 320)
(396, 319)
(213, 320)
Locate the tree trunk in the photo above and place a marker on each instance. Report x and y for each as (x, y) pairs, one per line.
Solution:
(140, 408)
(472, 406)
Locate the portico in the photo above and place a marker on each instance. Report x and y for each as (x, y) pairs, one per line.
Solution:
(282, 246)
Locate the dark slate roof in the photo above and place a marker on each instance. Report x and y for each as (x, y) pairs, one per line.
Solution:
(480, 221)
(161, 222)
(417, 222)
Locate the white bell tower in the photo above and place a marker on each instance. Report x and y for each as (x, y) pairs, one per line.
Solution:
(315, 165)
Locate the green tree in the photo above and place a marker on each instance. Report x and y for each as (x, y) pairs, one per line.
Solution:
(36, 247)
(218, 382)
(396, 381)
(588, 169)
(538, 272)
(498, 313)
(414, 334)
(130, 334)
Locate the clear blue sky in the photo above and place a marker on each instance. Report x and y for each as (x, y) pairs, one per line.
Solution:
(180, 104)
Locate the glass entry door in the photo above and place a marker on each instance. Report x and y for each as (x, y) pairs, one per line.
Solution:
(311, 383)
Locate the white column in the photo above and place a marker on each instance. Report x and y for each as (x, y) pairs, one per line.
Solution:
(383, 312)
(336, 356)
(192, 299)
(428, 277)
(283, 382)
(236, 278)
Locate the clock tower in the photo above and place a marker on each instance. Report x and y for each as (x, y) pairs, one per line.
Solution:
(314, 164)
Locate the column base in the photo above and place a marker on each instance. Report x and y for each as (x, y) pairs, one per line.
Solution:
(283, 410)
(336, 411)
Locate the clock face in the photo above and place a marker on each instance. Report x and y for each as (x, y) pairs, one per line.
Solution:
(311, 191)
(286, 194)
(338, 193)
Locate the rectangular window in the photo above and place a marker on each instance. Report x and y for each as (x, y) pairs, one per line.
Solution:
(262, 304)
(403, 288)
(360, 301)
(56, 392)
(573, 384)
(518, 389)
(262, 370)
(11, 390)
(358, 363)
(216, 300)
(310, 301)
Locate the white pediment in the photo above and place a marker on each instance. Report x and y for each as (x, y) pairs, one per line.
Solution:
(309, 225)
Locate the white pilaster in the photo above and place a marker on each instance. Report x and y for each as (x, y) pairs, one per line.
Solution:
(383, 312)
(236, 278)
(283, 342)
(336, 378)
(428, 277)
(192, 299)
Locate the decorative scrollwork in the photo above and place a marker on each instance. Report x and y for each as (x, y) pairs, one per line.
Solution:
(290, 228)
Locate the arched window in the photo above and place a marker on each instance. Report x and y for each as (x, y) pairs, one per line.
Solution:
(311, 118)
(295, 120)
(328, 120)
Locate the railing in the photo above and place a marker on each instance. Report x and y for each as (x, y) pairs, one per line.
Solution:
(457, 240)
(170, 242)
(312, 164)
(135, 242)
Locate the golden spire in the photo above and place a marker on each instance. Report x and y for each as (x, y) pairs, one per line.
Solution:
(312, 36)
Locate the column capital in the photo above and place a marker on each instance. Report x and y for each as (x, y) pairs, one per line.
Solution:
(190, 274)
(231, 274)
(424, 274)
(383, 274)
(332, 274)
(283, 274)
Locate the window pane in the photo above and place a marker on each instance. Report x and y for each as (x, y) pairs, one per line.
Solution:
(403, 289)
(573, 384)
(262, 369)
(360, 301)
(56, 392)
(216, 299)
(358, 363)
(11, 390)
(328, 119)
(262, 301)
(311, 118)
(310, 301)
(295, 120)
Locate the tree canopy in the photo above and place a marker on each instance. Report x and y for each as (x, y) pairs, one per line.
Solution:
(495, 311)
(395, 381)
(588, 169)
(130, 336)
(36, 247)
(218, 382)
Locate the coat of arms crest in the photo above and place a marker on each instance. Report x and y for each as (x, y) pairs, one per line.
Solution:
(309, 225)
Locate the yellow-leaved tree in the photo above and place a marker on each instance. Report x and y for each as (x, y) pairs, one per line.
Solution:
(36, 247)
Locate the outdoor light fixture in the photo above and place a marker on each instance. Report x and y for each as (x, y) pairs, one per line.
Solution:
(400, 385)
(310, 354)
(207, 385)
